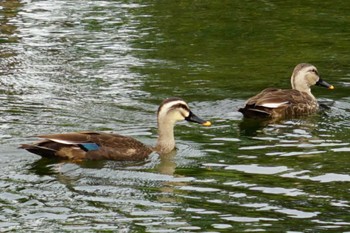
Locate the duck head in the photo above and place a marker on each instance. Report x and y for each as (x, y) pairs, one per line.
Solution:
(306, 75)
(176, 109)
(171, 111)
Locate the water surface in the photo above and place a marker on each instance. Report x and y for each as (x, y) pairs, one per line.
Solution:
(106, 66)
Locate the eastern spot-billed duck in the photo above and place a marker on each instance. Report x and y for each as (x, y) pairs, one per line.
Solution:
(274, 103)
(89, 145)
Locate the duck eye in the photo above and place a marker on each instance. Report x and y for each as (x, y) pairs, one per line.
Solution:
(314, 71)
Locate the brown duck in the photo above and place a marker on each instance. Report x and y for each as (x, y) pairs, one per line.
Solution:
(96, 145)
(274, 103)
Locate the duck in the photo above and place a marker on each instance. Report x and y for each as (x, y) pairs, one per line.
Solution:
(275, 103)
(90, 145)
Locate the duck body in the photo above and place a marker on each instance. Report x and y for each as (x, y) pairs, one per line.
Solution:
(89, 145)
(279, 103)
(274, 103)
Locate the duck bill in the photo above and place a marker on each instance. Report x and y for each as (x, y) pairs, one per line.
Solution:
(324, 84)
(194, 118)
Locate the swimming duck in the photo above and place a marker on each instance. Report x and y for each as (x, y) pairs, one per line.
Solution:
(274, 103)
(90, 145)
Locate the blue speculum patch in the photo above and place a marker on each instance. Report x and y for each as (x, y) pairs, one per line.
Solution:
(89, 146)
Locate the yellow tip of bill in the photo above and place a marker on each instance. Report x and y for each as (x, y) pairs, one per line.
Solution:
(207, 123)
(331, 87)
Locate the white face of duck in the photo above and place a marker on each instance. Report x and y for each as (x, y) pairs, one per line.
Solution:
(176, 109)
(304, 76)
(173, 110)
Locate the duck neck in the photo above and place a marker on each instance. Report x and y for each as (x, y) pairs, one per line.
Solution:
(307, 90)
(310, 94)
(301, 86)
(166, 140)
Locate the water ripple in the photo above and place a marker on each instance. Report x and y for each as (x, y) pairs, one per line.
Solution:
(106, 65)
(256, 169)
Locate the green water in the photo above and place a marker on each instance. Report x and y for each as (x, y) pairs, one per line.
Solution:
(106, 65)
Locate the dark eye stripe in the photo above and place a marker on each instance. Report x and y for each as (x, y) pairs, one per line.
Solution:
(179, 106)
(168, 101)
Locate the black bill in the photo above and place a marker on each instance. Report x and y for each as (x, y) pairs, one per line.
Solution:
(194, 118)
(324, 84)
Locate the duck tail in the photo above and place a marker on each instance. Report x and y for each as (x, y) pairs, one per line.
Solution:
(39, 150)
(254, 113)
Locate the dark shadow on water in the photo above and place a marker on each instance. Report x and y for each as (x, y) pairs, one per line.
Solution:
(325, 106)
(119, 164)
(46, 166)
(43, 167)
(251, 127)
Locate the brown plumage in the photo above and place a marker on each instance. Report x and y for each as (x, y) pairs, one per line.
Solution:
(90, 145)
(273, 103)
(111, 146)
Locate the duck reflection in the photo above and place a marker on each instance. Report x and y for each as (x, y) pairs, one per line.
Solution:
(167, 164)
(53, 167)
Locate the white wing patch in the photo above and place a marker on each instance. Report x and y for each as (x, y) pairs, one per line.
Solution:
(62, 141)
(274, 105)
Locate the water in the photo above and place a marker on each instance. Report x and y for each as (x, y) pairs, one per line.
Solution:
(106, 65)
